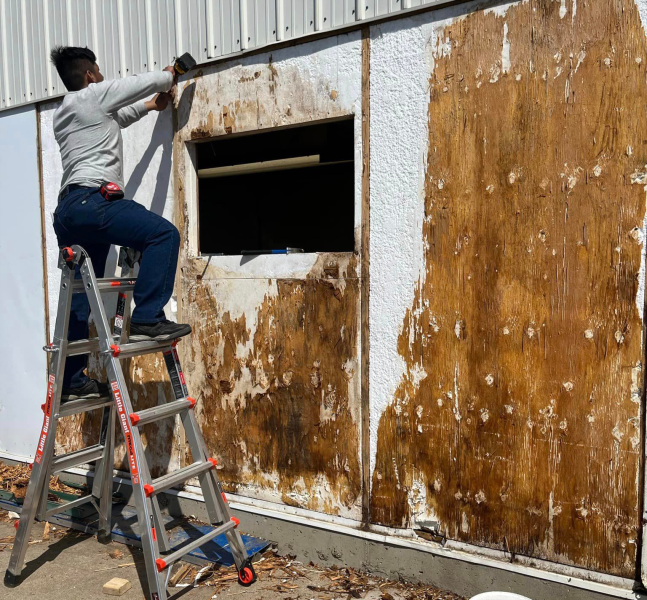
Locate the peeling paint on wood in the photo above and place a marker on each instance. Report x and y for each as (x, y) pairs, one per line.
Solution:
(517, 421)
(274, 361)
(277, 388)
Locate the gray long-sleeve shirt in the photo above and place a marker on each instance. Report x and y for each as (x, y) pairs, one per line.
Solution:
(87, 126)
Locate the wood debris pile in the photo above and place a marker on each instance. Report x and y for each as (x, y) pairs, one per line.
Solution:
(285, 575)
(348, 583)
(15, 478)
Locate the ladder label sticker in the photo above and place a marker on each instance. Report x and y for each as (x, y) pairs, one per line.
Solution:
(119, 317)
(176, 358)
(128, 436)
(178, 392)
(46, 421)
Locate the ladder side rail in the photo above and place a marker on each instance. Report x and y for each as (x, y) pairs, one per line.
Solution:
(39, 480)
(103, 480)
(195, 440)
(134, 447)
(121, 336)
(215, 499)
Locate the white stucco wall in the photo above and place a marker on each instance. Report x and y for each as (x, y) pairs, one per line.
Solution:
(402, 57)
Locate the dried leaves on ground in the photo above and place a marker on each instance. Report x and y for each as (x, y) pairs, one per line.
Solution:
(15, 478)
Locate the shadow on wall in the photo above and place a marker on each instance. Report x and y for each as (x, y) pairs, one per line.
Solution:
(162, 135)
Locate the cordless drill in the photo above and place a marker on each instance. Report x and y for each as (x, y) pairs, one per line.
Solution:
(184, 63)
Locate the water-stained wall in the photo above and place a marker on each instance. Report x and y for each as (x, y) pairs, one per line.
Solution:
(515, 419)
(507, 206)
(274, 359)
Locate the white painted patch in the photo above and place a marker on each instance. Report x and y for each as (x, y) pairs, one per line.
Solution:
(505, 52)
(640, 295)
(465, 524)
(502, 9)
(562, 9)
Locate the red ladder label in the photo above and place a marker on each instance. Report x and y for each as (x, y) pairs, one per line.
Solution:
(48, 415)
(128, 436)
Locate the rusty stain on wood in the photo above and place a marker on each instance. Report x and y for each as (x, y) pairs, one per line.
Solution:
(276, 388)
(518, 415)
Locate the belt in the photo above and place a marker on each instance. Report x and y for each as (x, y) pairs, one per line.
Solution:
(71, 188)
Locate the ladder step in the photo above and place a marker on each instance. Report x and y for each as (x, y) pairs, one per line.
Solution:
(74, 459)
(122, 351)
(156, 413)
(68, 506)
(73, 407)
(108, 284)
(180, 476)
(169, 559)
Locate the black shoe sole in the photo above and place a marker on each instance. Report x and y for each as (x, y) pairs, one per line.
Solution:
(141, 337)
(67, 398)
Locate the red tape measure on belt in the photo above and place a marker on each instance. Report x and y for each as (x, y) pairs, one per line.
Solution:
(111, 191)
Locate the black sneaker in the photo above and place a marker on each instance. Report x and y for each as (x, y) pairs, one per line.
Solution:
(90, 389)
(162, 330)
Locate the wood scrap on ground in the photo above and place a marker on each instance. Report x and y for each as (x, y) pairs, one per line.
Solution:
(15, 478)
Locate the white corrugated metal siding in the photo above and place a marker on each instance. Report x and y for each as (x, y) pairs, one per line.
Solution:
(131, 36)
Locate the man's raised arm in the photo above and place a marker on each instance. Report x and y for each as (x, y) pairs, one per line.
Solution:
(115, 94)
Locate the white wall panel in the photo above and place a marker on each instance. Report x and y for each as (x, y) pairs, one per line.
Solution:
(22, 331)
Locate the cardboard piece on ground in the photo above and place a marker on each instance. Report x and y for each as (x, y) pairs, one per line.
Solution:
(116, 587)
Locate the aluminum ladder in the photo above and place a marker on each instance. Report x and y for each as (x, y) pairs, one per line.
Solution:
(113, 347)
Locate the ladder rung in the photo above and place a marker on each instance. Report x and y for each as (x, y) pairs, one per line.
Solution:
(108, 284)
(156, 413)
(78, 457)
(169, 559)
(140, 348)
(73, 407)
(68, 506)
(82, 346)
(123, 351)
(180, 476)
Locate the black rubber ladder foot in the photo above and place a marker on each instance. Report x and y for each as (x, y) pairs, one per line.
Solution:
(103, 537)
(11, 580)
(246, 574)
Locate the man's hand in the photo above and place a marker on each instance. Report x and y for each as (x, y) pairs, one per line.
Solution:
(159, 102)
(172, 71)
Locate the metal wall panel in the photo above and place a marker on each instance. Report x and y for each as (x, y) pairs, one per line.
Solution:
(133, 36)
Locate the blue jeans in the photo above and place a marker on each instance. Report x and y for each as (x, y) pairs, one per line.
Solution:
(86, 218)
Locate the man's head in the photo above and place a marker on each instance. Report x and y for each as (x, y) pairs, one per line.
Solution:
(77, 67)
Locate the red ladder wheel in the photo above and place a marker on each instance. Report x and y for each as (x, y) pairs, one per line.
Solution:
(246, 575)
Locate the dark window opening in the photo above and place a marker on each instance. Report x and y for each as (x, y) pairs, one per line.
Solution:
(270, 191)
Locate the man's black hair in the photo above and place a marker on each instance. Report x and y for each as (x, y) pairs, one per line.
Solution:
(72, 64)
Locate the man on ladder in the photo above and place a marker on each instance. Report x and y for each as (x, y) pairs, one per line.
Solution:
(91, 209)
(90, 216)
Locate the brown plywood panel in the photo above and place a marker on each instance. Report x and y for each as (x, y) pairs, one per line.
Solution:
(519, 410)
(274, 367)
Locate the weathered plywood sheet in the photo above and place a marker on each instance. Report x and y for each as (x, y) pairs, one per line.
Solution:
(274, 359)
(277, 387)
(517, 420)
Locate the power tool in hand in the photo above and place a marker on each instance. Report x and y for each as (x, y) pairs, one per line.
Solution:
(184, 63)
